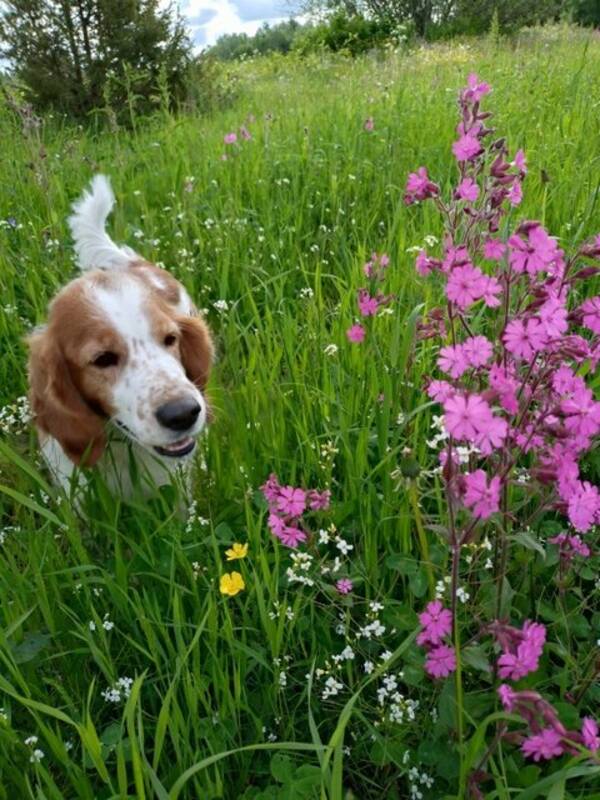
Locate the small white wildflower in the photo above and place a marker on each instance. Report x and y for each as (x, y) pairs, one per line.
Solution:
(92, 625)
(368, 667)
(343, 546)
(30, 741)
(331, 349)
(36, 756)
(221, 306)
(386, 655)
(282, 678)
(462, 594)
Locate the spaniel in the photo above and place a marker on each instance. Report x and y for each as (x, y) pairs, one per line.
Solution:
(117, 375)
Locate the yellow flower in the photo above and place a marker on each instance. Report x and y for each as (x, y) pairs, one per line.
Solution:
(231, 583)
(237, 551)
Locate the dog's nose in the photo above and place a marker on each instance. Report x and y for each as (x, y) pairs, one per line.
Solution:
(179, 415)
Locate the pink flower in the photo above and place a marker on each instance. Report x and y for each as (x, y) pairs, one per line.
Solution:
(515, 194)
(367, 305)
(475, 89)
(493, 249)
(467, 147)
(271, 489)
(477, 350)
(419, 187)
(507, 697)
(482, 498)
(291, 536)
(520, 163)
(452, 360)
(524, 338)
(468, 190)
(591, 314)
(503, 382)
(582, 413)
(564, 381)
(245, 133)
(589, 734)
(465, 285)
(553, 317)
(466, 415)
(291, 501)
(440, 391)
(570, 546)
(583, 506)
(319, 501)
(546, 744)
(535, 254)
(369, 124)
(441, 661)
(490, 291)
(230, 138)
(437, 623)
(356, 333)
(425, 264)
(525, 659)
(344, 586)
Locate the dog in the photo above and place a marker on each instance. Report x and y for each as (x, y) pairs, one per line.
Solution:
(119, 370)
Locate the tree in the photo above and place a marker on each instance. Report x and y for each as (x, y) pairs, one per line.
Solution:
(68, 52)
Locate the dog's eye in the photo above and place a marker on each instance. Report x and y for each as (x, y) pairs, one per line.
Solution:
(169, 340)
(106, 359)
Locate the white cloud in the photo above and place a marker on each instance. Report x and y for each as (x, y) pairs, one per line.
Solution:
(210, 19)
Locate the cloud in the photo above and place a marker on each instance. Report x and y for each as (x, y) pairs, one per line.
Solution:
(210, 19)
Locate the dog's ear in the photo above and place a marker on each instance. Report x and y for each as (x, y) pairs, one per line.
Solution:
(197, 350)
(58, 407)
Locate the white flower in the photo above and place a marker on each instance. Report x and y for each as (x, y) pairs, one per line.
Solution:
(119, 691)
(347, 653)
(462, 594)
(36, 756)
(323, 536)
(331, 349)
(107, 624)
(386, 655)
(368, 667)
(92, 625)
(282, 678)
(31, 740)
(306, 293)
(343, 546)
(332, 687)
(221, 305)
(374, 606)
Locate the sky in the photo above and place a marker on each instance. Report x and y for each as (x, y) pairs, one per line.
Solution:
(209, 19)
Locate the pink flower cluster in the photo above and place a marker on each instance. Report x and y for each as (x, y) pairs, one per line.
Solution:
(521, 648)
(287, 505)
(518, 391)
(232, 138)
(548, 738)
(370, 300)
(570, 546)
(436, 622)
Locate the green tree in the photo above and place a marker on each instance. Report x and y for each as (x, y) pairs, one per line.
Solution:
(70, 53)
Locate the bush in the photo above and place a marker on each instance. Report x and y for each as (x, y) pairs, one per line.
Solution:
(354, 33)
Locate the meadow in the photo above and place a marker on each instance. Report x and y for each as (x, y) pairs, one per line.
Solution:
(136, 676)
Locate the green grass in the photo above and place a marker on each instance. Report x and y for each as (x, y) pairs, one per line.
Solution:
(300, 206)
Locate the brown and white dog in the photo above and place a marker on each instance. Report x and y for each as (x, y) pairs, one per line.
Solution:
(121, 366)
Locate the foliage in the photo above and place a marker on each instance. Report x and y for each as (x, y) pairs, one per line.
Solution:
(75, 56)
(226, 698)
(277, 38)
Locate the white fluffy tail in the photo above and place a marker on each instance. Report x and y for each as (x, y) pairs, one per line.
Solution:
(94, 247)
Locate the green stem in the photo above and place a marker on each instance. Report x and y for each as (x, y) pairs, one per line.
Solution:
(458, 677)
(423, 543)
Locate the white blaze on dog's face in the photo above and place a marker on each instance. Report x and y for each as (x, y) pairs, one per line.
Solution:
(123, 345)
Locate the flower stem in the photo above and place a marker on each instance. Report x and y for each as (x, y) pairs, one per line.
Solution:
(423, 543)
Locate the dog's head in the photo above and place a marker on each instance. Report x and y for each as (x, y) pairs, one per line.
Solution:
(123, 344)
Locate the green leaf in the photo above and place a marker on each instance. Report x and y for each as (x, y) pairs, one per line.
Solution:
(281, 767)
(30, 647)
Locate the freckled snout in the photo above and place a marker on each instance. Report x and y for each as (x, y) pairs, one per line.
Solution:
(180, 414)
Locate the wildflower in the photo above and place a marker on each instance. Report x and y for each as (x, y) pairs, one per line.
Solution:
(475, 90)
(481, 497)
(507, 697)
(493, 249)
(330, 349)
(369, 124)
(516, 664)
(291, 536)
(344, 586)
(589, 734)
(230, 138)
(467, 148)
(591, 314)
(441, 661)
(466, 415)
(546, 744)
(452, 360)
(535, 254)
(419, 187)
(515, 194)
(467, 189)
(367, 305)
(520, 163)
(356, 333)
(466, 285)
(524, 338)
(244, 133)
(236, 551)
(291, 501)
(231, 583)
(437, 623)
(368, 667)
(583, 506)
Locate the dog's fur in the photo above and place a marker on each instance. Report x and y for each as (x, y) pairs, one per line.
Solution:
(121, 341)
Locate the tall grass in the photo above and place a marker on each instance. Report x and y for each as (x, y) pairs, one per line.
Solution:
(298, 207)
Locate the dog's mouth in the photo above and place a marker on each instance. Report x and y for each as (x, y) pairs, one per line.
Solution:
(182, 447)
(178, 449)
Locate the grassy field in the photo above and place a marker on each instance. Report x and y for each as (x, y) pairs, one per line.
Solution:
(226, 698)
